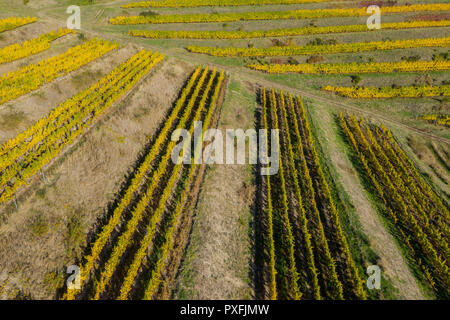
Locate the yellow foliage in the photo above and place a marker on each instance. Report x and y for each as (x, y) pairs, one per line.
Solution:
(390, 92)
(169, 34)
(33, 76)
(347, 68)
(322, 49)
(14, 22)
(273, 15)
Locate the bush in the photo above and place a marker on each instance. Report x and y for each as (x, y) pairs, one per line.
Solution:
(441, 56)
(148, 13)
(355, 79)
(411, 58)
(75, 237)
(315, 58)
(292, 61)
(39, 225)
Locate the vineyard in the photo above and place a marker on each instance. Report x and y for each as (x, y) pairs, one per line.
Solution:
(200, 3)
(322, 49)
(418, 214)
(122, 126)
(391, 92)
(351, 68)
(25, 155)
(156, 202)
(31, 77)
(30, 47)
(274, 15)
(303, 224)
(443, 120)
(159, 34)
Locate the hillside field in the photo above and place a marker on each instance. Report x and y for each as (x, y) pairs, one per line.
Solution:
(90, 120)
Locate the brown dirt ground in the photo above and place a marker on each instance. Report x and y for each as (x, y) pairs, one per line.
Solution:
(48, 231)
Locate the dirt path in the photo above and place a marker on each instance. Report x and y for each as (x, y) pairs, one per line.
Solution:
(382, 242)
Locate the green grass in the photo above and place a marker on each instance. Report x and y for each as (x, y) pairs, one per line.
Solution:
(38, 224)
(75, 235)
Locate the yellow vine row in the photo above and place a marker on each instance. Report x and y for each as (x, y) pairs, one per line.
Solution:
(394, 198)
(340, 236)
(30, 47)
(293, 273)
(273, 15)
(440, 119)
(14, 22)
(302, 214)
(84, 113)
(413, 196)
(321, 49)
(211, 3)
(33, 76)
(424, 186)
(272, 268)
(390, 92)
(355, 67)
(327, 267)
(177, 34)
(58, 117)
